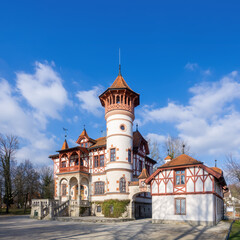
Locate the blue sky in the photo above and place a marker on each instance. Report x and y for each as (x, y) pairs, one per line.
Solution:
(181, 56)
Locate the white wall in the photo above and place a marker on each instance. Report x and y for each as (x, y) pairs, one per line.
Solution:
(198, 208)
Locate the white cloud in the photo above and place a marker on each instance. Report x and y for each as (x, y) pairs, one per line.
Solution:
(29, 123)
(44, 91)
(156, 138)
(206, 72)
(191, 66)
(210, 122)
(89, 100)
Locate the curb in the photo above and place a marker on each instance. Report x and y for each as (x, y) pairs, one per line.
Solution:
(229, 230)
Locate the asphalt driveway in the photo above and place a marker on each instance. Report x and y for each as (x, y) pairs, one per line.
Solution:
(24, 228)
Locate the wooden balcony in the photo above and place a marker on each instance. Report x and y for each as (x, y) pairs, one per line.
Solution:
(76, 168)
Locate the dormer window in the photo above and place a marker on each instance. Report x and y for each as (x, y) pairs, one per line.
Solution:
(180, 177)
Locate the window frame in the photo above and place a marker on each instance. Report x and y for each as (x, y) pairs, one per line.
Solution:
(175, 206)
(96, 160)
(130, 154)
(140, 168)
(177, 174)
(122, 185)
(65, 164)
(95, 188)
(101, 161)
(111, 154)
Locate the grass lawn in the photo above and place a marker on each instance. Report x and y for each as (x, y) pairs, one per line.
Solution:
(235, 232)
(15, 211)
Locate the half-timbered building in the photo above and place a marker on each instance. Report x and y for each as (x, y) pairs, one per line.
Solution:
(184, 189)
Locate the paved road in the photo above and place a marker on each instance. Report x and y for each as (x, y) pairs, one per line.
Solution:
(24, 228)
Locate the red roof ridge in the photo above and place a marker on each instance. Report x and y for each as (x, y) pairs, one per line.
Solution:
(182, 159)
(168, 157)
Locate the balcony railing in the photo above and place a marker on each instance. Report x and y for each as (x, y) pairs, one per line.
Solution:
(74, 169)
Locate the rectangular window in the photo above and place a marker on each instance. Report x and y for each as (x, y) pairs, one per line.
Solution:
(180, 206)
(64, 189)
(129, 156)
(140, 166)
(180, 177)
(95, 161)
(113, 154)
(86, 145)
(101, 160)
(63, 164)
(99, 188)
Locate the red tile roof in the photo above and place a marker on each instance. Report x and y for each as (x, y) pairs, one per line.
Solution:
(168, 157)
(180, 161)
(100, 142)
(216, 169)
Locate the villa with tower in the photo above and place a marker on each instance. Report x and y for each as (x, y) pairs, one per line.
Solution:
(117, 169)
(106, 168)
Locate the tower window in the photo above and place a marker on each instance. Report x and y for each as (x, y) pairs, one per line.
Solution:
(122, 185)
(118, 100)
(129, 156)
(122, 127)
(113, 154)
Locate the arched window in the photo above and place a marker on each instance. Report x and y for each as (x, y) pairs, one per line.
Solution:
(118, 100)
(122, 185)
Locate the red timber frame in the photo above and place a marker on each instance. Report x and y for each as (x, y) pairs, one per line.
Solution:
(163, 175)
(68, 168)
(96, 170)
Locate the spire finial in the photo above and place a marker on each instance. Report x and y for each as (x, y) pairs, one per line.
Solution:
(65, 130)
(84, 127)
(120, 74)
(168, 152)
(215, 162)
(137, 127)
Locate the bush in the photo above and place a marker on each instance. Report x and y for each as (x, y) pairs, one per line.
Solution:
(114, 208)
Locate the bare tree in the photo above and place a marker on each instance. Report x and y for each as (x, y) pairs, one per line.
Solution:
(233, 169)
(175, 146)
(154, 147)
(47, 185)
(8, 147)
(27, 184)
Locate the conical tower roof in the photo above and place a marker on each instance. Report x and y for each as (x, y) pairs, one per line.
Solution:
(82, 135)
(120, 83)
(65, 145)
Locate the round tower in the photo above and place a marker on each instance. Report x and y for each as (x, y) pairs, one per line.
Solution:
(119, 101)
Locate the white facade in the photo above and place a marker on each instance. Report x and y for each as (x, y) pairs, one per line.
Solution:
(194, 196)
